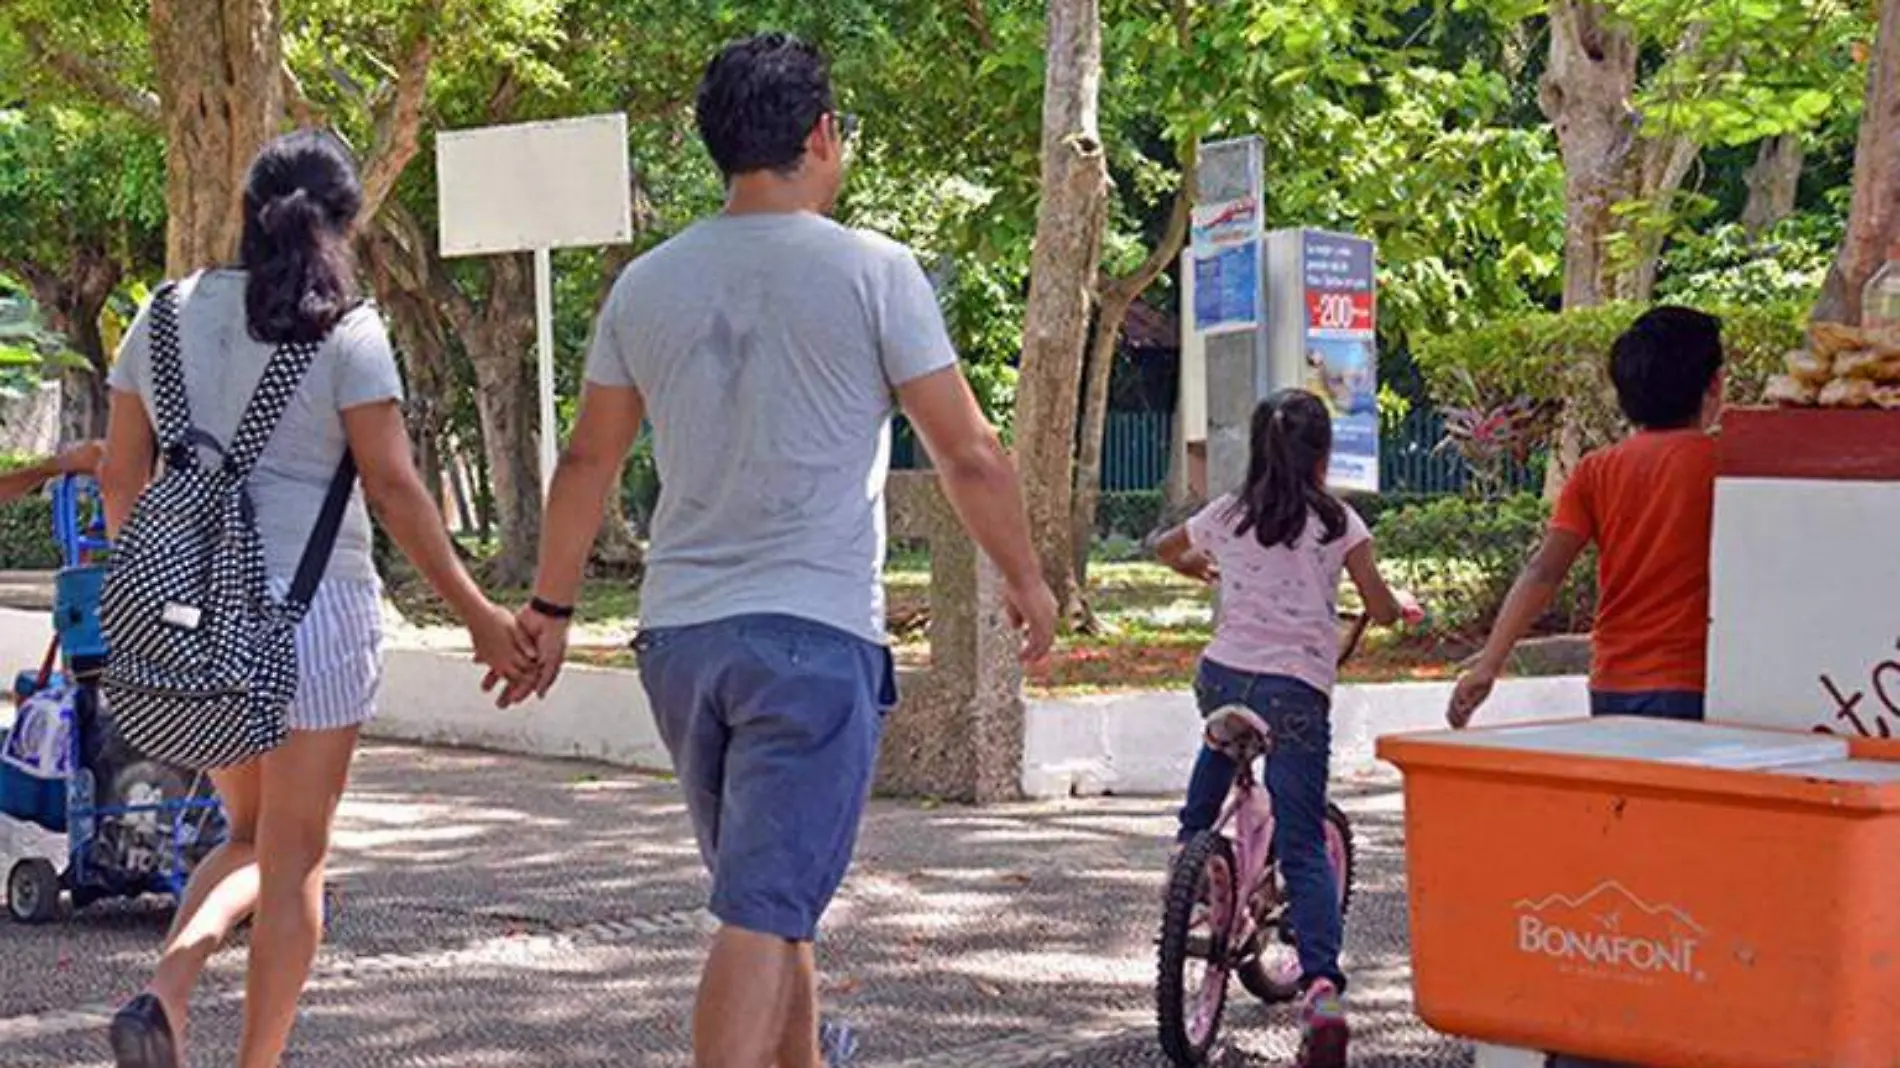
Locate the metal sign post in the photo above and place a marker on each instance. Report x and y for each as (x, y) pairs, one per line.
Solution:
(536, 187)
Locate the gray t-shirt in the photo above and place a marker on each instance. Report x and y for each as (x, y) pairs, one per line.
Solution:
(223, 365)
(767, 348)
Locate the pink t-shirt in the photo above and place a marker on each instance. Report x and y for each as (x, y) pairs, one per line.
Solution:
(1278, 606)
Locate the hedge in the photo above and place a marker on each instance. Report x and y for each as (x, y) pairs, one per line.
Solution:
(1563, 357)
(26, 526)
(1461, 556)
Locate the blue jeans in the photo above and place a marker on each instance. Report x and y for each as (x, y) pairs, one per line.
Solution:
(773, 724)
(1296, 773)
(1658, 704)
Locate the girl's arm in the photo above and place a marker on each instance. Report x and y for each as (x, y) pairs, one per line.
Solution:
(1178, 553)
(379, 441)
(1384, 605)
(131, 453)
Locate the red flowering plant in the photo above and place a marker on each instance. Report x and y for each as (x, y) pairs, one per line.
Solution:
(1491, 437)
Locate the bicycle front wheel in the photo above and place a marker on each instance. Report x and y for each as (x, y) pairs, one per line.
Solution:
(1191, 988)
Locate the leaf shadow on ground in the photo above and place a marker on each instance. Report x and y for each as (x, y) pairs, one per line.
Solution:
(497, 911)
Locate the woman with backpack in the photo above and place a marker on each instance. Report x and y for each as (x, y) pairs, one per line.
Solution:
(243, 607)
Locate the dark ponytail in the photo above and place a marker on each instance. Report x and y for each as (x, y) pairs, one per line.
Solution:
(1286, 477)
(300, 201)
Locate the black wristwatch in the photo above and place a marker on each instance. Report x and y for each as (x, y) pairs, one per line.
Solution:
(550, 609)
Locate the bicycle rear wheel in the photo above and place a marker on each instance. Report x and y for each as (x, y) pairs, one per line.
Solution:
(1191, 987)
(1273, 974)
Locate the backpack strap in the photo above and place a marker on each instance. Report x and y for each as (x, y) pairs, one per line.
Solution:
(282, 375)
(172, 411)
(316, 551)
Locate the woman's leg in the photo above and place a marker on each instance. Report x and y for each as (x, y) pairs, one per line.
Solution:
(221, 893)
(301, 786)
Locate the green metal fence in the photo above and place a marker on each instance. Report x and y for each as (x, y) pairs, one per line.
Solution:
(1135, 452)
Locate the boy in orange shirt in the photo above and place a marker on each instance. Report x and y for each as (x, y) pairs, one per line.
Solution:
(1648, 504)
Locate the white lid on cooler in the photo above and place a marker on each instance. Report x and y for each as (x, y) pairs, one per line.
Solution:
(1863, 771)
(1662, 741)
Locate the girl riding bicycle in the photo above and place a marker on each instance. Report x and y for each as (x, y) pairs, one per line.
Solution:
(1276, 548)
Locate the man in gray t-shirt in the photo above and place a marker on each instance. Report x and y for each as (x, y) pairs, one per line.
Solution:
(769, 348)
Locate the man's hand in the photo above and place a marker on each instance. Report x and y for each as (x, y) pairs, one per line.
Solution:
(1032, 610)
(548, 637)
(1470, 693)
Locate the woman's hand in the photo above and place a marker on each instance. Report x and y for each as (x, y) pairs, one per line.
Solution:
(500, 644)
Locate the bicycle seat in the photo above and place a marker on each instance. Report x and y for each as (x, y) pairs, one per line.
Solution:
(1238, 732)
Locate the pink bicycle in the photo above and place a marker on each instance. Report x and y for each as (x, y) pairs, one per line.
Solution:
(1226, 912)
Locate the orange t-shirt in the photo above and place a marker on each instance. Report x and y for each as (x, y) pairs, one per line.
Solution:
(1648, 504)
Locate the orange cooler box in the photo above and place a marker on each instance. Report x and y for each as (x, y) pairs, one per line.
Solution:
(1677, 895)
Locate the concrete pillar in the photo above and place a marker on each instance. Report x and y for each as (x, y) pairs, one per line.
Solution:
(1234, 360)
(957, 732)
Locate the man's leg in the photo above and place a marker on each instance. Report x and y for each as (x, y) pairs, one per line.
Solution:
(805, 708)
(798, 1041)
(748, 1000)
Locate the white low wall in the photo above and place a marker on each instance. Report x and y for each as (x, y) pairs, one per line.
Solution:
(1138, 743)
(1145, 743)
(435, 698)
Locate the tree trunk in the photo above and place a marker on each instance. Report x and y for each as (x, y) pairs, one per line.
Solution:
(1873, 223)
(72, 303)
(1586, 95)
(617, 553)
(1661, 165)
(499, 344)
(1067, 249)
(218, 65)
(1111, 316)
(1117, 297)
(1772, 183)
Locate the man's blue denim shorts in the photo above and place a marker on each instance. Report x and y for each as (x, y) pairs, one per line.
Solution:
(773, 723)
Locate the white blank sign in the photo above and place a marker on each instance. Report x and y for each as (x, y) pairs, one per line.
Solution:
(538, 185)
(1806, 603)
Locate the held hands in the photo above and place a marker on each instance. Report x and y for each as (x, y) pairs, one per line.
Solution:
(501, 646)
(544, 642)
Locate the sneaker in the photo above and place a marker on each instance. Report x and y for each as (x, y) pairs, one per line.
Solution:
(1323, 1030)
(837, 1042)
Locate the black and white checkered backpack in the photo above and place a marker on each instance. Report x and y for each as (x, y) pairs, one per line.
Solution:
(202, 665)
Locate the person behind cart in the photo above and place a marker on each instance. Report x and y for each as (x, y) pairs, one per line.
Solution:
(207, 350)
(78, 459)
(1277, 547)
(1647, 504)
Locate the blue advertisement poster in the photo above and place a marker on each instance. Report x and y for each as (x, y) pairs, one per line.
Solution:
(1342, 359)
(1227, 288)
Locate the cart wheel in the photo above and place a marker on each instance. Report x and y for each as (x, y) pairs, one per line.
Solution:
(33, 891)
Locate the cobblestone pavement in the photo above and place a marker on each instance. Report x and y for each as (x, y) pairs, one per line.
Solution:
(495, 911)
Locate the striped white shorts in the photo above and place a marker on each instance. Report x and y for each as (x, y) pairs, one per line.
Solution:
(339, 655)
